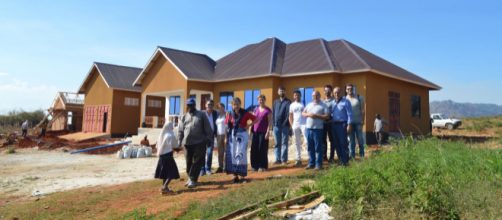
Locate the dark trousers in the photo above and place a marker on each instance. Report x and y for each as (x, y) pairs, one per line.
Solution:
(42, 133)
(340, 139)
(25, 132)
(328, 133)
(195, 157)
(259, 151)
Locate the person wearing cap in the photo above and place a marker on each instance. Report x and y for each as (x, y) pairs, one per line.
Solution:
(194, 132)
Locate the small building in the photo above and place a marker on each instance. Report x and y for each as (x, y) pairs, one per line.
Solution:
(400, 96)
(67, 112)
(112, 103)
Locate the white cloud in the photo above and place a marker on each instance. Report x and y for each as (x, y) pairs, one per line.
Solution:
(17, 94)
(3, 74)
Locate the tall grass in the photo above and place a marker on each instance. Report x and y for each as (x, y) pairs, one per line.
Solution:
(429, 178)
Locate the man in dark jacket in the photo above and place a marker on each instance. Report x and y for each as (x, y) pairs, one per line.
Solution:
(211, 115)
(194, 132)
(280, 119)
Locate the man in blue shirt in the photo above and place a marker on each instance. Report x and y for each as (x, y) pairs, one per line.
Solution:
(341, 114)
(280, 119)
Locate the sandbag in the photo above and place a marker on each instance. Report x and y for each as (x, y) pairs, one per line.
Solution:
(148, 151)
(120, 154)
(134, 152)
(140, 153)
(127, 152)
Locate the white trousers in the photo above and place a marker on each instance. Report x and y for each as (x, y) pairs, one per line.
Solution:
(299, 133)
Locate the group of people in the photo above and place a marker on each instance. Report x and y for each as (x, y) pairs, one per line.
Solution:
(336, 117)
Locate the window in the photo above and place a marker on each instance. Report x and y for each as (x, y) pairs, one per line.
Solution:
(415, 106)
(155, 103)
(306, 94)
(174, 105)
(226, 98)
(131, 101)
(251, 98)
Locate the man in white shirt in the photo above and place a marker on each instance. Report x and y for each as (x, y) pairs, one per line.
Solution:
(316, 113)
(297, 122)
(357, 123)
(24, 128)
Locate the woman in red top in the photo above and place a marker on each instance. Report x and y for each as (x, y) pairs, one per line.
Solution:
(237, 140)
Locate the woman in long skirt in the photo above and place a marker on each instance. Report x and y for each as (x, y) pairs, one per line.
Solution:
(237, 140)
(166, 167)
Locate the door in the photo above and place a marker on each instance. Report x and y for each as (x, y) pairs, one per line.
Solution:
(394, 111)
(105, 121)
(203, 99)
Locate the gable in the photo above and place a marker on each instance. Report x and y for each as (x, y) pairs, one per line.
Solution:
(96, 90)
(163, 76)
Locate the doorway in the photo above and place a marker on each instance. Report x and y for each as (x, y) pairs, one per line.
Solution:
(394, 111)
(105, 121)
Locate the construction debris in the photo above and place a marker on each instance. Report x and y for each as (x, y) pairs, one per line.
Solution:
(287, 209)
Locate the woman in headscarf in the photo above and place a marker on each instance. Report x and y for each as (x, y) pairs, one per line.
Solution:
(166, 167)
(237, 140)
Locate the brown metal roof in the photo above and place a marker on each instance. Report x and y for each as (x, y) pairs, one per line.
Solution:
(306, 57)
(115, 76)
(193, 65)
(274, 57)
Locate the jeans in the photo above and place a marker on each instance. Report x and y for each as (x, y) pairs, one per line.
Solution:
(259, 151)
(281, 135)
(339, 132)
(299, 133)
(328, 133)
(357, 132)
(315, 147)
(209, 156)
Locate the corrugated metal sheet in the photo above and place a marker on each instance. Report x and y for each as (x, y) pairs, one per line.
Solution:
(193, 65)
(307, 56)
(119, 77)
(251, 60)
(273, 56)
(344, 57)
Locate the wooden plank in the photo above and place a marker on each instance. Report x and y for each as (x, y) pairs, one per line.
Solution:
(238, 212)
(290, 212)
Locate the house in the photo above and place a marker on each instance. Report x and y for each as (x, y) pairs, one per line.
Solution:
(400, 96)
(112, 104)
(67, 112)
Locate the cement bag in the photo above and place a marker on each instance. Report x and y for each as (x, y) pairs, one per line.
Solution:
(148, 151)
(134, 152)
(140, 153)
(120, 154)
(127, 152)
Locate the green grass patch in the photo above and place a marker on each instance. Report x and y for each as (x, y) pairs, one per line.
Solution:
(430, 178)
(253, 192)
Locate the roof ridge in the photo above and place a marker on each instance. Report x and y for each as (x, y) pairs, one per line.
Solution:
(185, 51)
(355, 53)
(325, 50)
(110, 64)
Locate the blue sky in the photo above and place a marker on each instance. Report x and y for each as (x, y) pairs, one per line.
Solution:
(47, 46)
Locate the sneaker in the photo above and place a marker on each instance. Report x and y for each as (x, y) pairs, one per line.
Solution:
(318, 168)
(285, 163)
(262, 170)
(192, 184)
(277, 162)
(167, 191)
(298, 163)
(208, 173)
(309, 167)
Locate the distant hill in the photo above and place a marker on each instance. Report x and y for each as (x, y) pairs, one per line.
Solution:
(463, 110)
